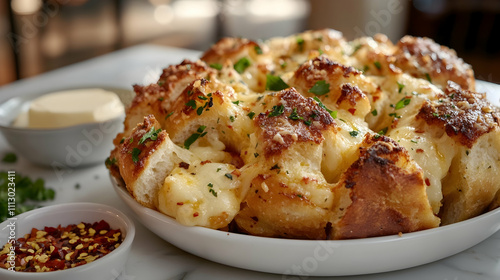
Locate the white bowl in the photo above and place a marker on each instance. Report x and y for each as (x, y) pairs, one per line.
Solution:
(316, 257)
(61, 148)
(106, 268)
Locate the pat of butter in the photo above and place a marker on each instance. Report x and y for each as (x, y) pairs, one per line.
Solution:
(67, 108)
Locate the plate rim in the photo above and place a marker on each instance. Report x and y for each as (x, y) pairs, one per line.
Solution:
(218, 236)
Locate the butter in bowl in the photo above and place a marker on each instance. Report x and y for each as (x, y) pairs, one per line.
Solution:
(64, 129)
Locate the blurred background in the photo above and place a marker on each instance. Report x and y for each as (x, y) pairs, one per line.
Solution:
(41, 35)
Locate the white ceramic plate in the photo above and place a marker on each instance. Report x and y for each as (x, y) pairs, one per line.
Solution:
(317, 257)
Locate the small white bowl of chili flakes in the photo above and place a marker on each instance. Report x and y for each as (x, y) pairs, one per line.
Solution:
(66, 241)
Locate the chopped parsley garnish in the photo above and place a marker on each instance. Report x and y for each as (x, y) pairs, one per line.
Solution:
(160, 99)
(276, 166)
(255, 154)
(383, 131)
(356, 48)
(131, 140)
(366, 68)
(354, 133)
(275, 83)
(9, 158)
(378, 65)
(161, 83)
(229, 176)
(320, 88)
(428, 77)
(414, 141)
(191, 103)
(237, 102)
(110, 162)
(202, 97)
(191, 139)
(123, 140)
(211, 190)
(169, 114)
(151, 134)
(295, 116)
(251, 115)
(27, 192)
(308, 122)
(402, 103)
(258, 49)
(231, 118)
(300, 43)
(374, 112)
(277, 110)
(135, 154)
(400, 87)
(199, 111)
(216, 66)
(320, 104)
(241, 65)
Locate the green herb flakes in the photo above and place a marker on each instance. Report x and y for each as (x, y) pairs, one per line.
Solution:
(300, 43)
(277, 110)
(27, 193)
(216, 66)
(135, 154)
(275, 83)
(191, 103)
(320, 88)
(9, 158)
(191, 139)
(402, 103)
(258, 49)
(400, 87)
(151, 134)
(428, 77)
(320, 104)
(241, 65)
(211, 190)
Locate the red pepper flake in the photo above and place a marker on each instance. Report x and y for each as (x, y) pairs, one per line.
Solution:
(352, 111)
(419, 151)
(180, 203)
(427, 182)
(196, 214)
(58, 248)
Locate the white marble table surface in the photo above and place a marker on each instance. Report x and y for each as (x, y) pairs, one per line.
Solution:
(151, 257)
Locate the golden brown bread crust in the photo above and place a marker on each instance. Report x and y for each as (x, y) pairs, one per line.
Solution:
(229, 49)
(305, 115)
(422, 56)
(387, 193)
(311, 161)
(297, 216)
(465, 115)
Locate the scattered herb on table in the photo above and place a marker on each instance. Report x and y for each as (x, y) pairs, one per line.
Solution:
(27, 193)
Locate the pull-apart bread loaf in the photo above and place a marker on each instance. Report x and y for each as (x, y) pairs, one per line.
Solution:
(312, 136)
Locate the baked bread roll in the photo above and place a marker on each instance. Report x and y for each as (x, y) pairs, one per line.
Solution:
(313, 136)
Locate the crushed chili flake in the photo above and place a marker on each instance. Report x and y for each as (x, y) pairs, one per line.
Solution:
(58, 248)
